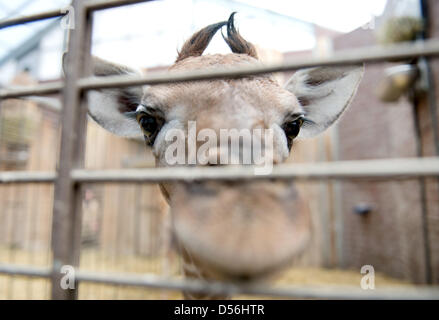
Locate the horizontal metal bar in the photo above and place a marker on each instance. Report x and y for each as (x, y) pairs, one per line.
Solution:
(27, 177)
(359, 169)
(31, 18)
(23, 91)
(91, 5)
(349, 57)
(223, 288)
(30, 271)
(107, 4)
(428, 48)
(364, 169)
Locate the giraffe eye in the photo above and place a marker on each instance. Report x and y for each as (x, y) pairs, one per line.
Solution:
(150, 126)
(291, 129)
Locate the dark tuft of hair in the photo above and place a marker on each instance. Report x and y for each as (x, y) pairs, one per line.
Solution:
(236, 42)
(199, 41)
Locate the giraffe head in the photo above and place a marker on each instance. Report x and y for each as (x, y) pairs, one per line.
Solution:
(234, 229)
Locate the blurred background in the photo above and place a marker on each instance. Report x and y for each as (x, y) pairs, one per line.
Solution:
(393, 225)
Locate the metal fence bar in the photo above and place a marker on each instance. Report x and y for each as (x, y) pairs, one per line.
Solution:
(66, 223)
(348, 57)
(39, 89)
(30, 271)
(371, 169)
(399, 52)
(359, 169)
(107, 4)
(222, 288)
(27, 177)
(89, 5)
(31, 18)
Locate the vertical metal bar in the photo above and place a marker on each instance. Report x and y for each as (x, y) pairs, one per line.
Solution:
(10, 239)
(66, 224)
(432, 104)
(422, 190)
(32, 218)
(337, 203)
(323, 214)
(431, 85)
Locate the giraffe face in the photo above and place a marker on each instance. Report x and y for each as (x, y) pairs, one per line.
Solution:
(235, 230)
(239, 230)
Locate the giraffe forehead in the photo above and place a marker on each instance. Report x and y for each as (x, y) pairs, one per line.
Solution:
(254, 97)
(258, 91)
(257, 97)
(210, 61)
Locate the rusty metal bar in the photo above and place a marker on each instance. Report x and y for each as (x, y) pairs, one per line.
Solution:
(31, 18)
(359, 169)
(398, 52)
(66, 223)
(223, 288)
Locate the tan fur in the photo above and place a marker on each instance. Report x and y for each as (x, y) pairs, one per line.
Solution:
(268, 101)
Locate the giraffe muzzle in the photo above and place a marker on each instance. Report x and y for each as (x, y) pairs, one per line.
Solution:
(242, 230)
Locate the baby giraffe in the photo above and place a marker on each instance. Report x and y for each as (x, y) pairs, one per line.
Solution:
(234, 231)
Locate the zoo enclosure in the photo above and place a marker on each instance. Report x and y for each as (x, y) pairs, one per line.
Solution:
(66, 226)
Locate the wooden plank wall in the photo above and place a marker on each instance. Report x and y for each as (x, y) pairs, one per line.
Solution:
(117, 218)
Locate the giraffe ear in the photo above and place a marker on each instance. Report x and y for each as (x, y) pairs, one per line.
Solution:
(324, 93)
(113, 109)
